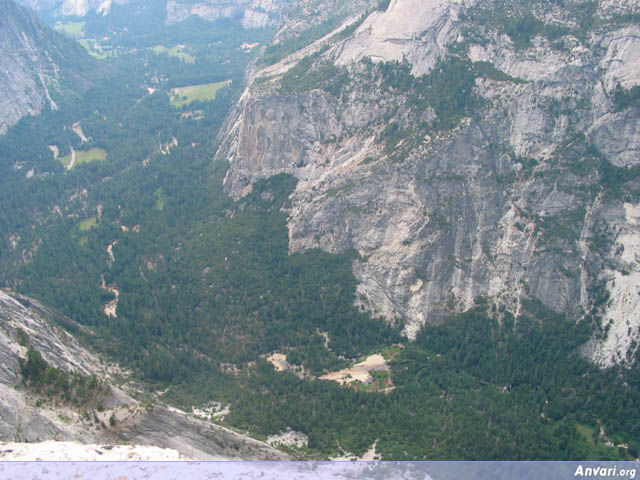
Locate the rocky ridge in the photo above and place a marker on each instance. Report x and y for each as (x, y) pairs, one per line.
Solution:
(249, 13)
(128, 427)
(75, 8)
(524, 194)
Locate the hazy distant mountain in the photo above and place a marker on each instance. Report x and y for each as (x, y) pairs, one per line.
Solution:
(250, 13)
(78, 8)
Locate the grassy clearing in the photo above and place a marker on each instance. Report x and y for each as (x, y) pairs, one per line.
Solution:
(88, 224)
(204, 93)
(380, 382)
(95, 50)
(389, 353)
(177, 51)
(73, 29)
(161, 199)
(85, 156)
(587, 432)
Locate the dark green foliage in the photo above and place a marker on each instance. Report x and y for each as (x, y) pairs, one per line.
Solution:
(512, 354)
(277, 51)
(488, 70)
(624, 99)
(383, 5)
(23, 338)
(253, 297)
(520, 19)
(448, 89)
(521, 30)
(310, 74)
(74, 388)
(469, 389)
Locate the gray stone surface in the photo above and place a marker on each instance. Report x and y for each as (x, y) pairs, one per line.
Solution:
(498, 206)
(26, 416)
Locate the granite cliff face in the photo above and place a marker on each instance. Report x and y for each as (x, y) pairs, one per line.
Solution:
(35, 62)
(465, 149)
(27, 416)
(250, 13)
(76, 8)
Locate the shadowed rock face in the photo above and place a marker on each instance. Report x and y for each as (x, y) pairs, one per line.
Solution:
(25, 417)
(22, 91)
(512, 202)
(33, 58)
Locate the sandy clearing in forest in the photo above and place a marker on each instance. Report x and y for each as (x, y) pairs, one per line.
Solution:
(110, 309)
(279, 361)
(359, 372)
(367, 456)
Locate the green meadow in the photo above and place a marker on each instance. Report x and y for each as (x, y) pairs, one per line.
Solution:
(177, 51)
(84, 156)
(206, 92)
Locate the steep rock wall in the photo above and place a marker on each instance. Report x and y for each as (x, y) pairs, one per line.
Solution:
(514, 201)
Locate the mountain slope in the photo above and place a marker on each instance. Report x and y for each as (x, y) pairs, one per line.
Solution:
(37, 65)
(69, 395)
(465, 149)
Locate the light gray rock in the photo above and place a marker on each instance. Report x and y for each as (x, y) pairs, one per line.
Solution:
(250, 13)
(499, 206)
(34, 61)
(29, 417)
(195, 438)
(74, 8)
(617, 136)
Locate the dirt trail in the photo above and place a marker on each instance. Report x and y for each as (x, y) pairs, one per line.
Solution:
(110, 309)
(56, 152)
(73, 159)
(77, 129)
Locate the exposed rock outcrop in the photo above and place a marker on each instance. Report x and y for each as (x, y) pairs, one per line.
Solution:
(27, 416)
(250, 13)
(74, 8)
(34, 62)
(510, 196)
